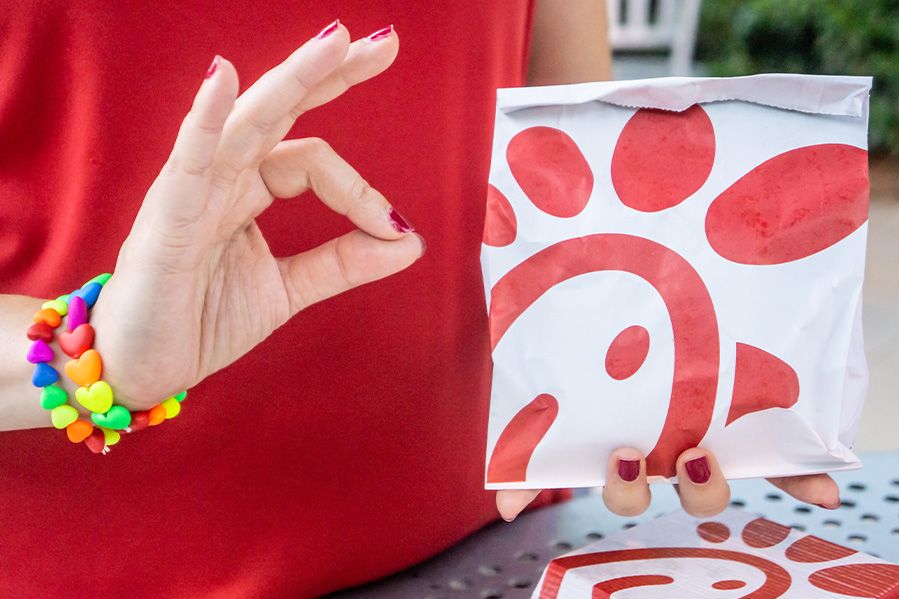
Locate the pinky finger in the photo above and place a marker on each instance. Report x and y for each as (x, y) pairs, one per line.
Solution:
(189, 166)
(819, 489)
(510, 502)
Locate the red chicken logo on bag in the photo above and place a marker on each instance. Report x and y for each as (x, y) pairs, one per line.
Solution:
(761, 559)
(789, 207)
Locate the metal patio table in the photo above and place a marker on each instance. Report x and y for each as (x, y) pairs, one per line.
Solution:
(506, 560)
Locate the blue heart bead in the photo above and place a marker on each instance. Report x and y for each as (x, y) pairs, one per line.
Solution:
(89, 293)
(44, 375)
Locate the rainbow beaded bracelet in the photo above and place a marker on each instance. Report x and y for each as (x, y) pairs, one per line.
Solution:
(108, 419)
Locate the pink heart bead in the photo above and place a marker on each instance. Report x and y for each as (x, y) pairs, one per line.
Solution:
(39, 352)
(77, 313)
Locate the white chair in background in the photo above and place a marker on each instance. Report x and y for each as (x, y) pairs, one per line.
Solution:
(656, 25)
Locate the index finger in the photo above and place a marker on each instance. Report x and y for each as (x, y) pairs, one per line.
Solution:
(300, 164)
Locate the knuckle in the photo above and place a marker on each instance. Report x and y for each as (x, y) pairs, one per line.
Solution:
(314, 147)
(227, 169)
(340, 259)
(303, 85)
(189, 165)
(202, 124)
(260, 126)
(296, 112)
(360, 191)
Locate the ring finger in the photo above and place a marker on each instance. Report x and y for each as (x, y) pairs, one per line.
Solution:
(626, 491)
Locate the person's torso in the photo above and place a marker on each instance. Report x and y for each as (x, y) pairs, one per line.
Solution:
(351, 442)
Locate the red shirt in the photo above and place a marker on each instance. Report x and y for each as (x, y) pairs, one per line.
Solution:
(348, 445)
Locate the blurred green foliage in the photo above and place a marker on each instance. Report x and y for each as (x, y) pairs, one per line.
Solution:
(849, 37)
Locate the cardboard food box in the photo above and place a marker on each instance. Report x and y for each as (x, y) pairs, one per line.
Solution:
(736, 554)
(673, 263)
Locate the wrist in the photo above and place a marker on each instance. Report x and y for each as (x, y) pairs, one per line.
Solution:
(121, 363)
(101, 418)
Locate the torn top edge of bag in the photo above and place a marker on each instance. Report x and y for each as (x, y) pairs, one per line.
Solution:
(815, 94)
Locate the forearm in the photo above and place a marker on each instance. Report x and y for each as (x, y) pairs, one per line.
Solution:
(19, 399)
(569, 42)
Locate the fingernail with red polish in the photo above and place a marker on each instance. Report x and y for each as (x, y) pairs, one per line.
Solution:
(400, 224)
(698, 470)
(628, 470)
(381, 34)
(328, 30)
(212, 67)
(828, 507)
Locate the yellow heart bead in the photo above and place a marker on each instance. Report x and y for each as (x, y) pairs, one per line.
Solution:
(96, 398)
(60, 306)
(62, 416)
(110, 436)
(172, 407)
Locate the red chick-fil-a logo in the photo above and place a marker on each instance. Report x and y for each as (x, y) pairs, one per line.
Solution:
(789, 207)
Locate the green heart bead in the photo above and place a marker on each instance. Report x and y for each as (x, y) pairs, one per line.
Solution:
(100, 278)
(117, 417)
(64, 299)
(62, 416)
(180, 397)
(53, 396)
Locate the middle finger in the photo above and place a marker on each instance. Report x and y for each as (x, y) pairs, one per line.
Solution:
(258, 111)
(704, 491)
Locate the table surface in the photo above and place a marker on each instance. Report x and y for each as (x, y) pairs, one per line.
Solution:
(506, 560)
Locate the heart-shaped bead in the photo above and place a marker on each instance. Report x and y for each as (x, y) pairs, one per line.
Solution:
(52, 396)
(44, 375)
(101, 279)
(61, 307)
(172, 408)
(117, 417)
(139, 421)
(97, 398)
(86, 369)
(77, 312)
(76, 342)
(156, 414)
(110, 437)
(40, 330)
(62, 416)
(49, 316)
(96, 441)
(39, 352)
(79, 430)
(90, 292)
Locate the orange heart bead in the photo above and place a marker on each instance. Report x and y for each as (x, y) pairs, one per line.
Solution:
(79, 430)
(85, 370)
(157, 414)
(48, 316)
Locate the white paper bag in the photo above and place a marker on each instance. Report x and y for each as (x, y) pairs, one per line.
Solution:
(673, 263)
